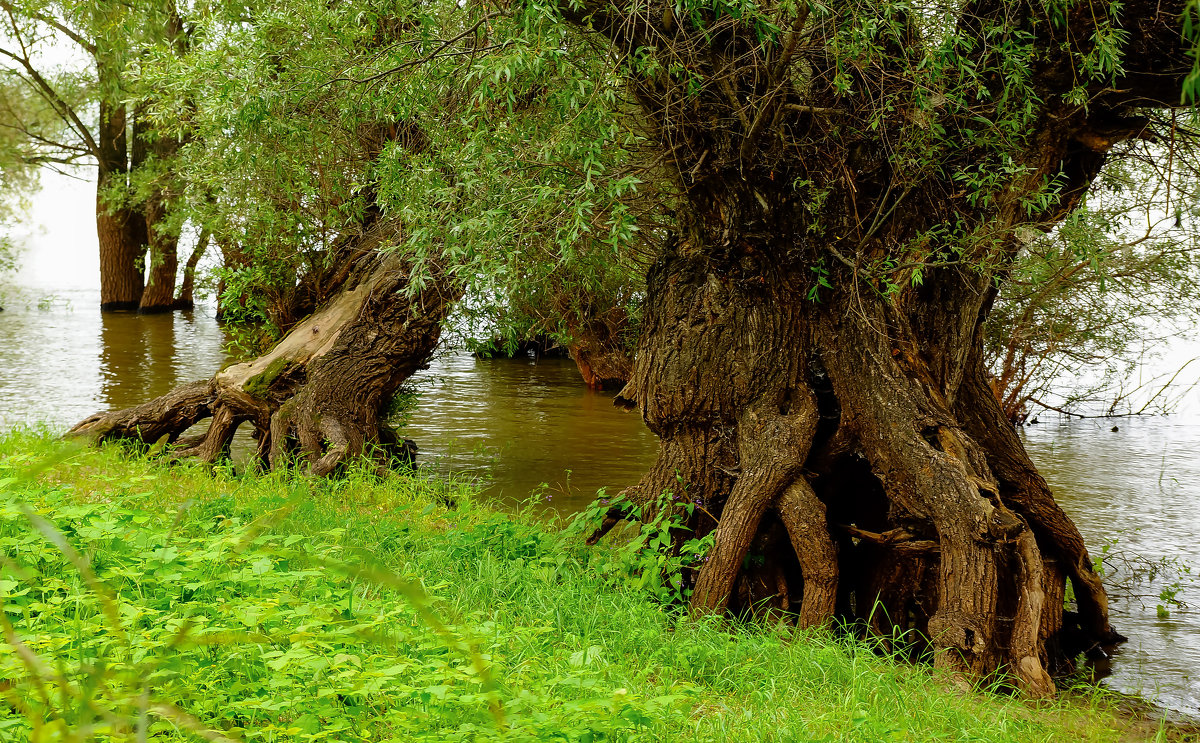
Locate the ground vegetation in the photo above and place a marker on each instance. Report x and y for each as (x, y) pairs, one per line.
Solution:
(151, 603)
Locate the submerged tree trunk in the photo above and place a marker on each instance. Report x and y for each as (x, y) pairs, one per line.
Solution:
(121, 231)
(187, 286)
(162, 240)
(159, 295)
(121, 235)
(322, 392)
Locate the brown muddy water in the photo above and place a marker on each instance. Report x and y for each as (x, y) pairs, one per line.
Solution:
(528, 428)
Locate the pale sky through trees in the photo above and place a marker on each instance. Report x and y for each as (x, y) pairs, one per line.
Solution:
(58, 235)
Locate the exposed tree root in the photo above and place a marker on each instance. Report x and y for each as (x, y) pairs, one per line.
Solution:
(1023, 487)
(320, 393)
(843, 475)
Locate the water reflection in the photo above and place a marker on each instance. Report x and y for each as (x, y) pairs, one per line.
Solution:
(136, 354)
(62, 360)
(519, 424)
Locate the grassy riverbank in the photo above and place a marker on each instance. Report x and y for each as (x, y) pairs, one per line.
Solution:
(142, 600)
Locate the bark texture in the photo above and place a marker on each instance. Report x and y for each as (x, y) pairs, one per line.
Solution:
(811, 352)
(133, 238)
(321, 393)
(121, 231)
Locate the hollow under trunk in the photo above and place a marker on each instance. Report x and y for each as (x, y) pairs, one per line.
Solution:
(322, 392)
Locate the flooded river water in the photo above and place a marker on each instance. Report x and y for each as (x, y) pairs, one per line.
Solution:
(529, 426)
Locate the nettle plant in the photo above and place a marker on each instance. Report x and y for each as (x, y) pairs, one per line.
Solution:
(651, 555)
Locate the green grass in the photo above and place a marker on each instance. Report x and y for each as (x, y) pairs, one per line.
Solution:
(145, 602)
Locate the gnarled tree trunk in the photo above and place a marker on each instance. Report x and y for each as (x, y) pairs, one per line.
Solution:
(810, 358)
(320, 394)
(848, 467)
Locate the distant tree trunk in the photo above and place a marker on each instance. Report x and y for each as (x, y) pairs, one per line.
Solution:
(321, 392)
(162, 240)
(603, 359)
(121, 231)
(185, 300)
(159, 295)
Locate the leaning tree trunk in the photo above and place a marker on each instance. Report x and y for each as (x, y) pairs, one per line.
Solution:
(320, 394)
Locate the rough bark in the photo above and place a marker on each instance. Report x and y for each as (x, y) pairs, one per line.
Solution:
(320, 394)
(1026, 490)
(121, 231)
(797, 373)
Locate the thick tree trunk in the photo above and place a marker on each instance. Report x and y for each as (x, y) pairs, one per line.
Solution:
(810, 355)
(320, 393)
(162, 240)
(121, 235)
(121, 231)
(836, 475)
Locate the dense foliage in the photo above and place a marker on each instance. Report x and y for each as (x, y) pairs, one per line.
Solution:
(493, 141)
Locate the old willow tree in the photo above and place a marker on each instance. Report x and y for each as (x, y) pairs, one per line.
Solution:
(853, 183)
(847, 187)
(355, 207)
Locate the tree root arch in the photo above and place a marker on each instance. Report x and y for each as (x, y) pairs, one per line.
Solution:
(319, 397)
(841, 480)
